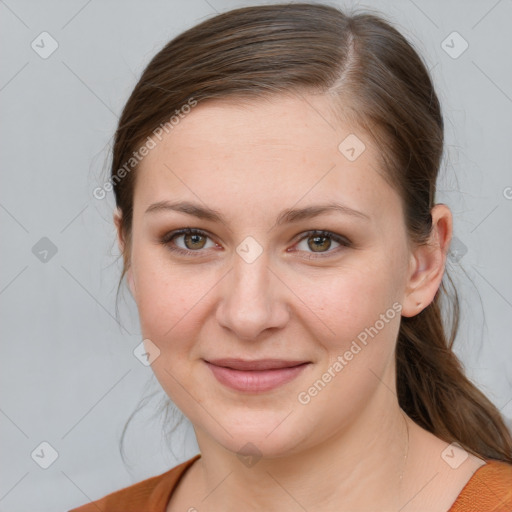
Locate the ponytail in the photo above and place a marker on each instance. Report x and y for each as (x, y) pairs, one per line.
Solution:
(434, 392)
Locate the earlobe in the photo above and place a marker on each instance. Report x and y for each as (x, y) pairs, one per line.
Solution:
(428, 263)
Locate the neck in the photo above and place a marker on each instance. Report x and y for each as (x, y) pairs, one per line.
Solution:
(357, 467)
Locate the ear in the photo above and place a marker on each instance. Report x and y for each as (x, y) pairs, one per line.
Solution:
(122, 243)
(427, 263)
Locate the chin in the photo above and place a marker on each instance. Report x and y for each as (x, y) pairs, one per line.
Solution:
(269, 434)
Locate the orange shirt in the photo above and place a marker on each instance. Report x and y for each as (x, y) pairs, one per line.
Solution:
(488, 490)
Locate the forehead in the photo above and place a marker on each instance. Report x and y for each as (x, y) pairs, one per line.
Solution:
(275, 125)
(273, 152)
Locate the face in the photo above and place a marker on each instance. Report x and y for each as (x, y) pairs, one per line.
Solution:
(257, 279)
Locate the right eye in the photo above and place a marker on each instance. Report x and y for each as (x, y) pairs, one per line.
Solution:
(194, 241)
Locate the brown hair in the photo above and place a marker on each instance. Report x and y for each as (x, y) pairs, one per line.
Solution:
(377, 81)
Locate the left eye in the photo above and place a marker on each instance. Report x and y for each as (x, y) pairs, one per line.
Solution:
(321, 242)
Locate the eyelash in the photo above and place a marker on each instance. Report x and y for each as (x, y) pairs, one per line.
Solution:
(169, 237)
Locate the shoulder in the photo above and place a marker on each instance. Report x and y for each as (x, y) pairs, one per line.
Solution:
(490, 489)
(150, 495)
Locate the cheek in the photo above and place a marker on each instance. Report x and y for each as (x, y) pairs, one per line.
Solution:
(345, 301)
(167, 307)
(360, 306)
(168, 296)
(363, 316)
(171, 306)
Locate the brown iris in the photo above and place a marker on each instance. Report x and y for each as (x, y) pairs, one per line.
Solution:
(195, 240)
(317, 243)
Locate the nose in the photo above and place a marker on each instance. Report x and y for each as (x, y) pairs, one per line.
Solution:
(253, 300)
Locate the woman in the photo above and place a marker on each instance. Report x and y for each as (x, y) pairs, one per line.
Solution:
(275, 172)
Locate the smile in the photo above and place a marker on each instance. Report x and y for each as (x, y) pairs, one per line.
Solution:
(255, 376)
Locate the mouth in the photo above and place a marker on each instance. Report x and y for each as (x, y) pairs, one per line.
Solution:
(257, 375)
(257, 364)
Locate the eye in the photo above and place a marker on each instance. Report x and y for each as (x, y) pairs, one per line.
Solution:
(320, 242)
(193, 241)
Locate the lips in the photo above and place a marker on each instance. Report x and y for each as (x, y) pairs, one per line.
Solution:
(257, 376)
(260, 364)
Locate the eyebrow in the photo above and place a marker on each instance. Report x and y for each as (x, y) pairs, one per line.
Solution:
(286, 216)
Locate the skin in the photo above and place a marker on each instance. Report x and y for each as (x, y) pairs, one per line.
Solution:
(249, 162)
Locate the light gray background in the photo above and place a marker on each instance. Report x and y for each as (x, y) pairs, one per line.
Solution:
(68, 374)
